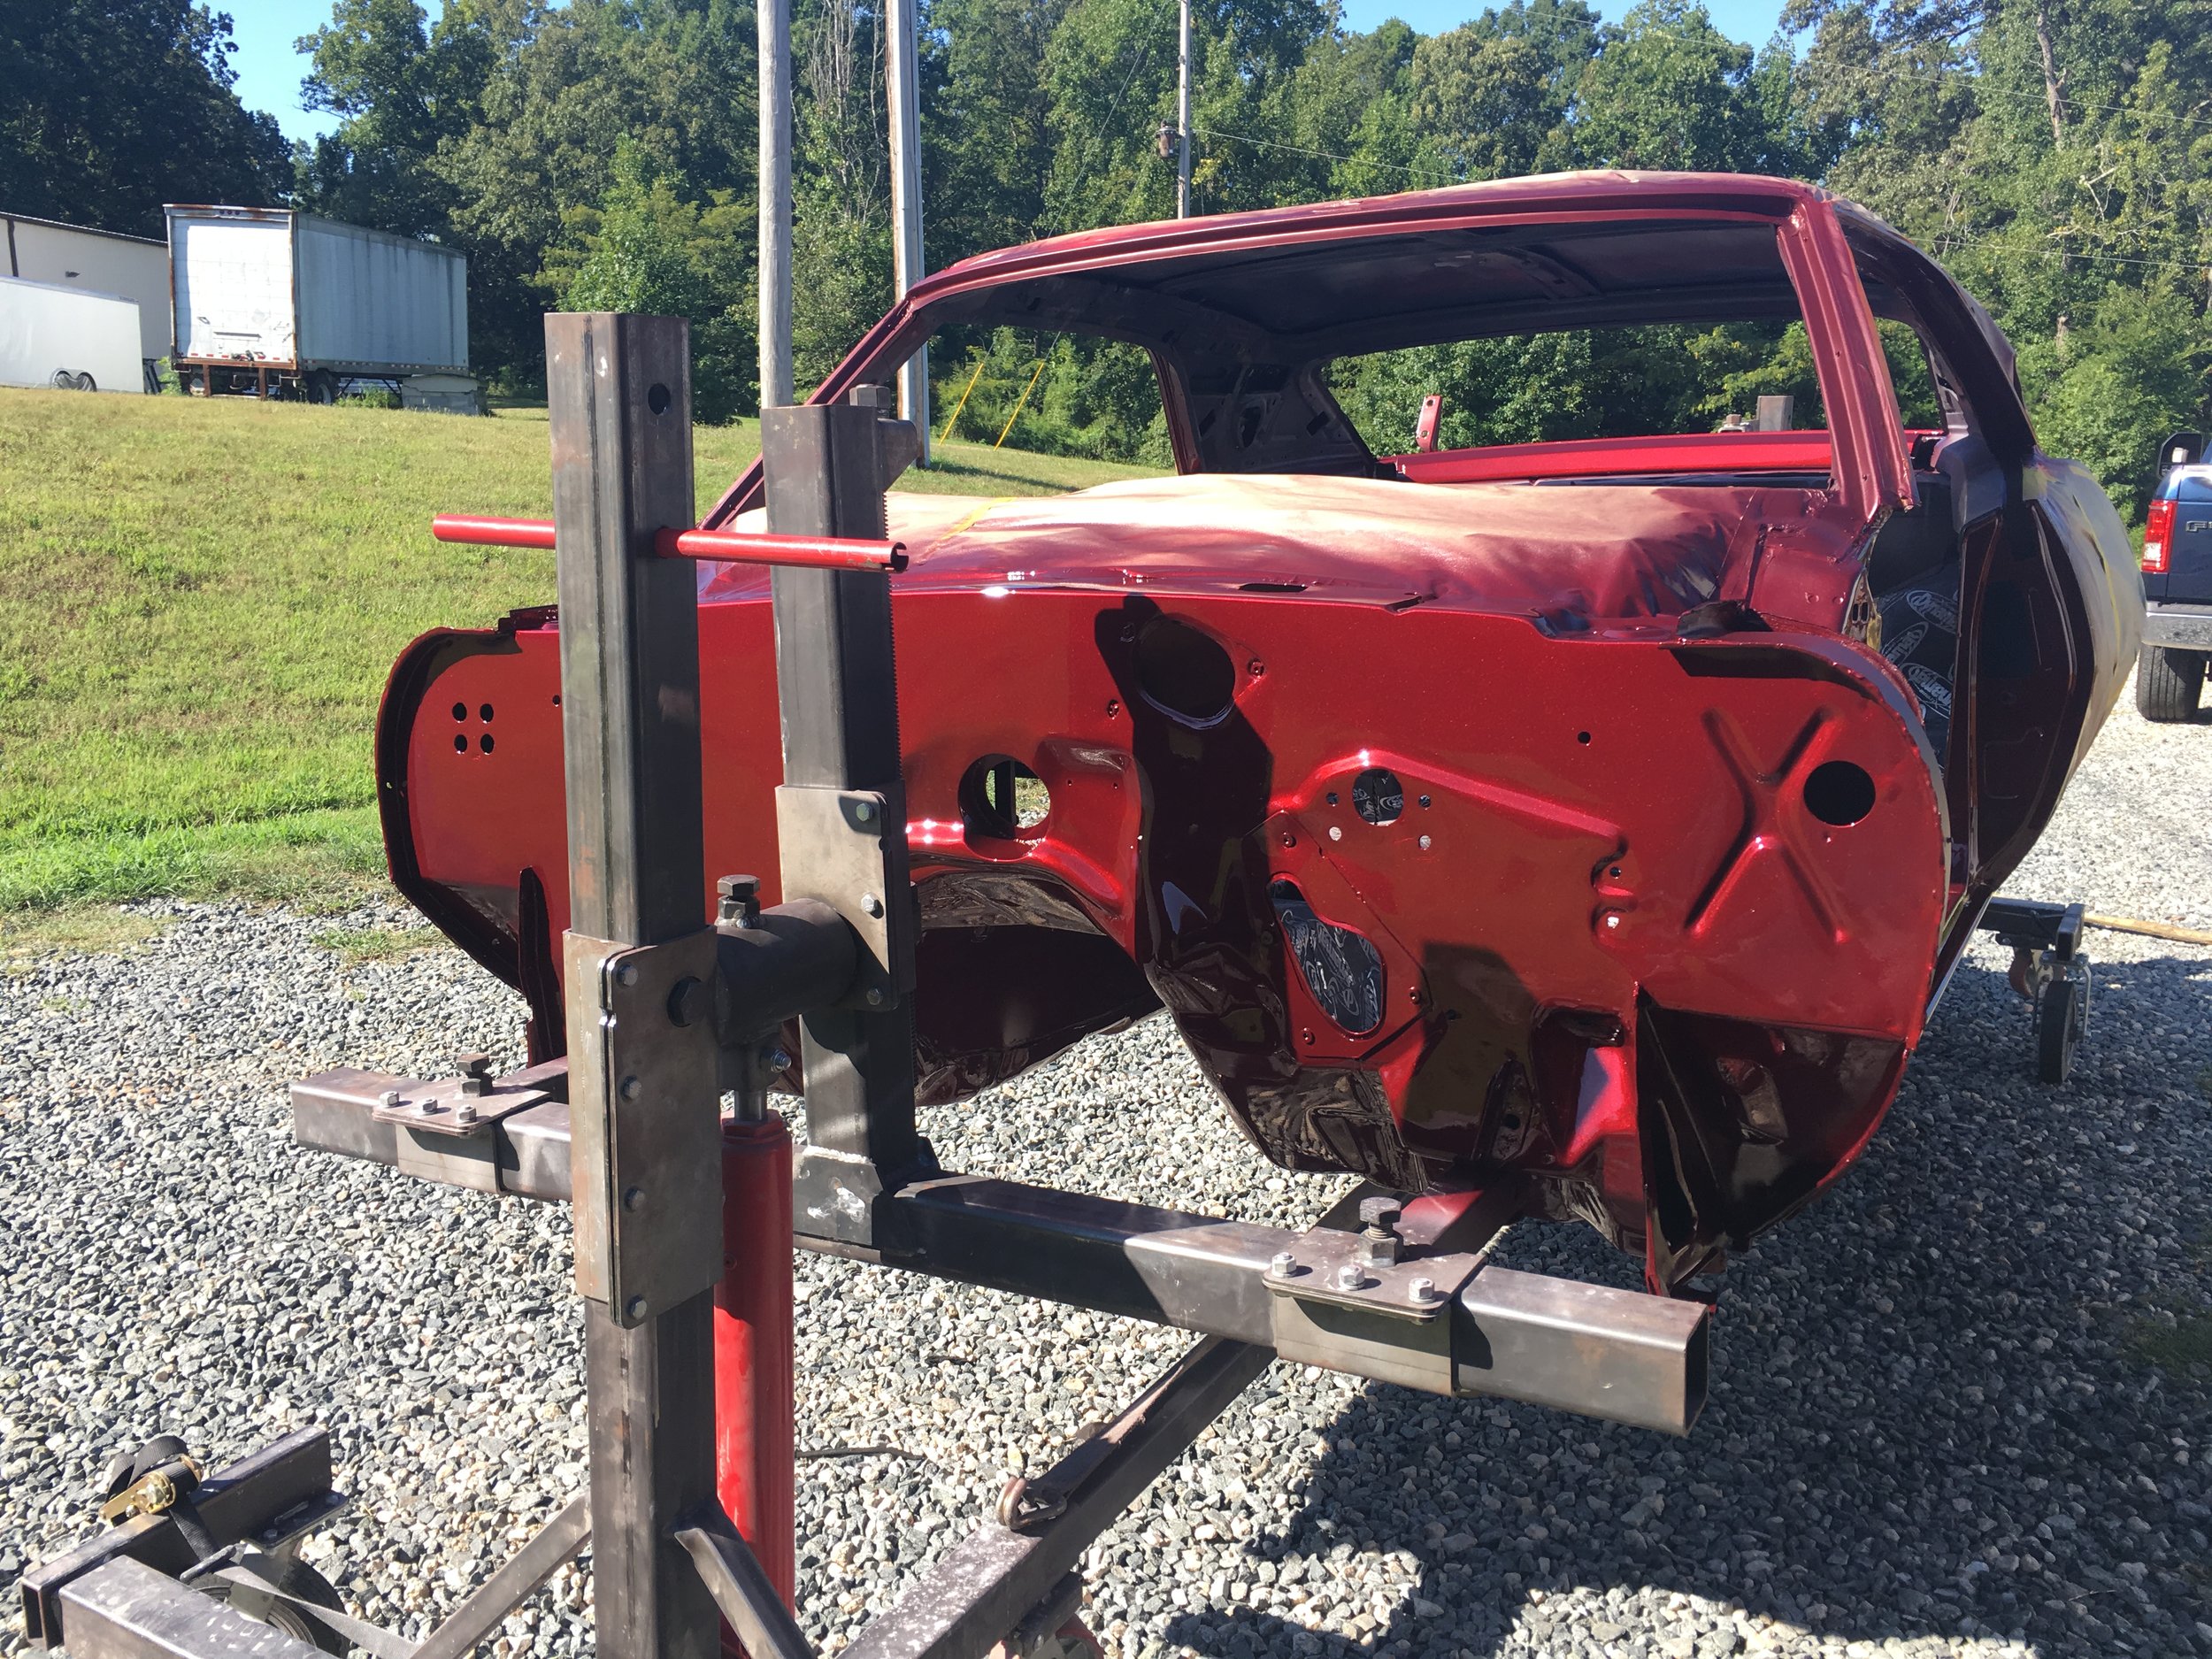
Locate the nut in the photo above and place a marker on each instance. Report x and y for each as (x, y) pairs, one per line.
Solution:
(1349, 1277)
(870, 904)
(1282, 1264)
(1422, 1290)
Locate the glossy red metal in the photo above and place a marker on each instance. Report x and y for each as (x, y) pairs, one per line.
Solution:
(720, 546)
(753, 1380)
(1545, 819)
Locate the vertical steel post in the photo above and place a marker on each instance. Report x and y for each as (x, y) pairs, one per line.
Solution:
(775, 29)
(1182, 111)
(903, 84)
(620, 391)
(839, 697)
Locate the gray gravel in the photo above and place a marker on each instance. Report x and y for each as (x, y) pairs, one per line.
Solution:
(1947, 1415)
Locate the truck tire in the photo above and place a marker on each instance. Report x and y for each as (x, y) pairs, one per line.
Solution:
(2167, 683)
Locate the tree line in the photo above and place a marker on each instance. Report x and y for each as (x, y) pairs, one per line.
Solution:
(2052, 154)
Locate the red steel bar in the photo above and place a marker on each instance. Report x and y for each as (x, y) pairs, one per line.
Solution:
(754, 1434)
(738, 546)
(462, 527)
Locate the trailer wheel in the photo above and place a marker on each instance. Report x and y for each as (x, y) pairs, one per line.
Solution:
(2167, 683)
(2058, 1026)
(322, 387)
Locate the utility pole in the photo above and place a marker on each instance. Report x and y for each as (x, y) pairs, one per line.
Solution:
(775, 202)
(906, 200)
(1182, 113)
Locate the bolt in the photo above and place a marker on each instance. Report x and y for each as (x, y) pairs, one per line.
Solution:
(1425, 799)
(863, 811)
(464, 1112)
(627, 974)
(779, 1059)
(1424, 844)
(1336, 831)
(476, 1073)
(633, 1198)
(1113, 706)
(632, 1088)
(388, 1100)
(1422, 1290)
(1255, 668)
(874, 999)
(871, 905)
(1380, 1212)
(1349, 1277)
(635, 1307)
(1282, 1264)
(689, 1002)
(739, 900)
(1289, 840)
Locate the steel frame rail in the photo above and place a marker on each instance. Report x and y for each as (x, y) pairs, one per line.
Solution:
(664, 1015)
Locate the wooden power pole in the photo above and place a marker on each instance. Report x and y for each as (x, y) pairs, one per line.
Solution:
(1182, 113)
(775, 203)
(906, 200)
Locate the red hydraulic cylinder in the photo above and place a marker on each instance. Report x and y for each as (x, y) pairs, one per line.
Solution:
(754, 1446)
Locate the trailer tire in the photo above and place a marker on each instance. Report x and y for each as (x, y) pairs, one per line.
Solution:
(322, 387)
(2167, 683)
(2058, 1026)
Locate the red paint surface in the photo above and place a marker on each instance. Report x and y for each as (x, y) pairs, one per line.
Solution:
(755, 1474)
(1628, 973)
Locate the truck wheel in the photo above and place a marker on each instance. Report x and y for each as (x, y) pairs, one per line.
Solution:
(2167, 683)
(322, 387)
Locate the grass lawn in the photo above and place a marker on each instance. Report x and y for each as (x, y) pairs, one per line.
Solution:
(198, 605)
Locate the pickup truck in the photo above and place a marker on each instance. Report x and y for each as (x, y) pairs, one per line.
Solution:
(2177, 595)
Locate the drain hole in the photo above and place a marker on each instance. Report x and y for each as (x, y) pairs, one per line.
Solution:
(1840, 793)
(1183, 672)
(484, 743)
(460, 711)
(487, 712)
(460, 744)
(1000, 798)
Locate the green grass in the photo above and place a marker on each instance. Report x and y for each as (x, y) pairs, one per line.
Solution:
(199, 602)
(355, 945)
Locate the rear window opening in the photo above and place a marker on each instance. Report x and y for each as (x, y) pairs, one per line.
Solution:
(1579, 384)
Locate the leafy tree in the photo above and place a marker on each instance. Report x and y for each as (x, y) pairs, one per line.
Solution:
(650, 249)
(110, 108)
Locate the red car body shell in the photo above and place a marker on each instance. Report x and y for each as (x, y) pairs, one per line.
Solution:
(1662, 875)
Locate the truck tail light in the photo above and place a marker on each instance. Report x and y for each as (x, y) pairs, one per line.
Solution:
(2158, 535)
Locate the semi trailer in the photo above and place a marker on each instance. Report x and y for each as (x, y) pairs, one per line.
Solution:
(270, 303)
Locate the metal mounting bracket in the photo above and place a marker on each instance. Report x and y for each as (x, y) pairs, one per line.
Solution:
(847, 848)
(467, 1105)
(1330, 1267)
(644, 1114)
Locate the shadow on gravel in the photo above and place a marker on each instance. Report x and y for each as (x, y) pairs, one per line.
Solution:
(1932, 1416)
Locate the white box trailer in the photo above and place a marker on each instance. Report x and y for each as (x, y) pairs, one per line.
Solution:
(99, 261)
(54, 336)
(273, 303)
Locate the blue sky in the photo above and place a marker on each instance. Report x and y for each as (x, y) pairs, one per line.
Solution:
(269, 70)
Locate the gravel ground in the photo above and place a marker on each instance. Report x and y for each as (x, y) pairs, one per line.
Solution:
(1951, 1411)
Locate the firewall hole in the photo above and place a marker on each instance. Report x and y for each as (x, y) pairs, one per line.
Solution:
(460, 743)
(485, 711)
(1838, 792)
(1000, 799)
(460, 711)
(484, 743)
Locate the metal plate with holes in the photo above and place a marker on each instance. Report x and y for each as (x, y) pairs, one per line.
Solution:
(1328, 1266)
(835, 848)
(446, 1108)
(645, 1119)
